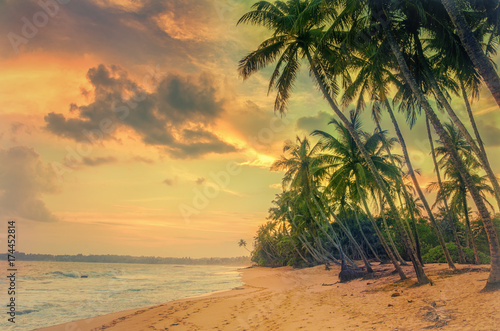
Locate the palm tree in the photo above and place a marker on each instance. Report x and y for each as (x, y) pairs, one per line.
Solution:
(299, 162)
(413, 24)
(454, 187)
(349, 172)
(374, 78)
(243, 243)
(448, 214)
(494, 278)
(279, 213)
(473, 48)
(298, 34)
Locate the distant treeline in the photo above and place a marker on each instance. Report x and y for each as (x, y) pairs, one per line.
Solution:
(241, 260)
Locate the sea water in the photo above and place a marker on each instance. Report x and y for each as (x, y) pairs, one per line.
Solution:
(49, 293)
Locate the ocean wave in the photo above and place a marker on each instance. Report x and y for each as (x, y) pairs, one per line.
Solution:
(26, 311)
(74, 274)
(60, 274)
(44, 306)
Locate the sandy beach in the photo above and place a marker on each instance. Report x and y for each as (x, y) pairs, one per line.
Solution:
(312, 299)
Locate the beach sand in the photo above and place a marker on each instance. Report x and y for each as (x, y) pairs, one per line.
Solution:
(312, 299)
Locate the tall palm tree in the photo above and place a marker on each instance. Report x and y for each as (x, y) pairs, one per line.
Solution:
(448, 214)
(297, 34)
(454, 187)
(279, 212)
(494, 277)
(374, 78)
(414, 24)
(300, 162)
(349, 172)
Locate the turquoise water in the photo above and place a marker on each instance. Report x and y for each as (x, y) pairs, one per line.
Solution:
(49, 293)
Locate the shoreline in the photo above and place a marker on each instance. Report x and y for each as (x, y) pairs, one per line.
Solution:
(91, 321)
(312, 298)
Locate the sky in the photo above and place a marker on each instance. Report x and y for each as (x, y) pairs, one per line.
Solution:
(125, 128)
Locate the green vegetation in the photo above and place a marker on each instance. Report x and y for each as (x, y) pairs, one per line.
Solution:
(349, 196)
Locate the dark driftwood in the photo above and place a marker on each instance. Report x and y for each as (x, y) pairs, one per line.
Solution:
(347, 273)
(350, 274)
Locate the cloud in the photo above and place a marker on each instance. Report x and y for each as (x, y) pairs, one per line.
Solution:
(97, 161)
(24, 178)
(81, 26)
(15, 127)
(177, 116)
(200, 181)
(142, 159)
(114, 29)
(317, 122)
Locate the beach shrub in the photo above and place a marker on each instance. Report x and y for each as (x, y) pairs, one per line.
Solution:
(436, 255)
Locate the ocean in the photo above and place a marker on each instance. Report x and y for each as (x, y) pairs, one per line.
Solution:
(49, 293)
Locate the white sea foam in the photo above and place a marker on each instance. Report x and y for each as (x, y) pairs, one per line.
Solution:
(50, 293)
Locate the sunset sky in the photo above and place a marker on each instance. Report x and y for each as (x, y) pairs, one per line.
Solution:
(125, 128)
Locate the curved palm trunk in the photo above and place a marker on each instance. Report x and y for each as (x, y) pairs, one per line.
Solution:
(377, 258)
(481, 154)
(381, 236)
(421, 195)
(391, 241)
(305, 243)
(347, 233)
(270, 256)
(312, 251)
(419, 271)
(471, 118)
(411, 228)
(335, 242)
(477, 260)
(461, 255)
(494, 277)
(413, 222)
(295, 246)
(473, 48)
(483, 158)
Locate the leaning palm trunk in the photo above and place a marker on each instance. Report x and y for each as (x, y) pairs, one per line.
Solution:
(346, 231)
(335, 241)
(313, 252)
(481, 154)
(483, 158)
(388, 232)
(377, 258)
(473, 48)
(419, 271)
(471, 118)
(295, 247)
(411, 228)
(305, 243)
(477, 260)
(461, 255)
(321, 250)
(381, 236)
(421, 195)
(494, 277)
